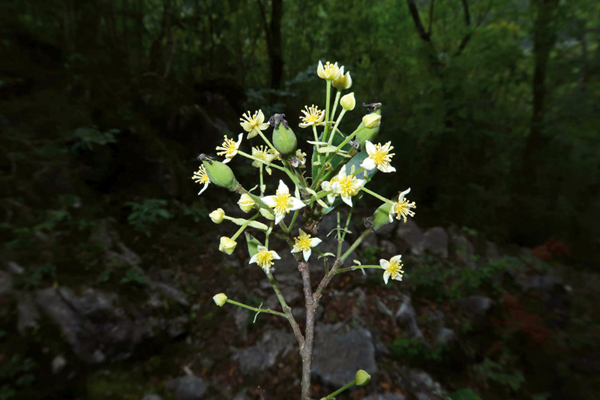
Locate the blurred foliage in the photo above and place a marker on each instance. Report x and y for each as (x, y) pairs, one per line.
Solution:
(147, 213)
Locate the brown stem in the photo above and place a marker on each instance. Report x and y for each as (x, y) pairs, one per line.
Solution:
(287, 311)
(309, 333)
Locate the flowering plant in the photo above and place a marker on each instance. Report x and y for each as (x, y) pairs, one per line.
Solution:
(341, 167)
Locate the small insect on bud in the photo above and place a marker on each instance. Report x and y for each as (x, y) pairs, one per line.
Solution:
(348, 102)
(220, 299)
(362, 377)
(217, 215)
(246, 203)
(227, 245)
(219, 173)
(284, 138)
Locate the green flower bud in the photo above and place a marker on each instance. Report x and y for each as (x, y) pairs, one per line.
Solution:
(371, 120)
(220, 299)
(217, 215)
(369, 127)
(362, 377)
(284, 138)
(348, 102)
(227, 245)
(246, 203)
(219, 174)
(381, 216)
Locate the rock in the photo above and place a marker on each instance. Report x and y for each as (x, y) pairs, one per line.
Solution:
(386, 231)
(463, 249)
(381, 307)
(15, 268)
(406, 315)
(388, 249)
(263, 355)
(5, 283)
(541, 283)
(410, 237)
(491, 251)
(387, 396)
(420, 384)
(436, 242)
(27, 314)
(475, 307)
(441, 334)
(187, 388)
(58, 363)
(340, 351)
(241, 396)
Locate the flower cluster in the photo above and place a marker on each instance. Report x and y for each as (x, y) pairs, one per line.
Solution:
(341, 167)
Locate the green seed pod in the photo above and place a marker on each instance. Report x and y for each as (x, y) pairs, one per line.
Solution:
(381, 216)
(219, 173)
(373, 120)
(284, 138)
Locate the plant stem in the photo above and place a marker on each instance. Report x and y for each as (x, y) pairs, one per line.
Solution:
(337, 123)
(267, 141)
(266, 311)
(377, 196)
(287, 311)
(335, 103)
(340, 390)
(326, 130)
(356, 267)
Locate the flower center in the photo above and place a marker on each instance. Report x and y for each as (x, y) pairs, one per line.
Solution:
(302, 242)
(395, 269)
(402, 209)
(264, 259)
(312, 115)
(282, 202)
(381, 155)
(229, 148)
(201, 176)
(348, 186)
(328, 68)
(252, 120)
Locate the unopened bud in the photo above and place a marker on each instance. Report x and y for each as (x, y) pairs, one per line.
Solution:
(220, 299)
(348, 102)
(344, 81)
(246, 203)
(284, 138)
(362, 377)
(227, 245)
(371, 120)
(220, 174)
(217, 215)
(381, 216)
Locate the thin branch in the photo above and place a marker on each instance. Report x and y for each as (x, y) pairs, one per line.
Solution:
(414, 12)
(430, 18)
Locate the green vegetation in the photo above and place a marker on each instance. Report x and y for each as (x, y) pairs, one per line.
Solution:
(147, 213)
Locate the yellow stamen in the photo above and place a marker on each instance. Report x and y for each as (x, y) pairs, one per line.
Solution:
(201, 176)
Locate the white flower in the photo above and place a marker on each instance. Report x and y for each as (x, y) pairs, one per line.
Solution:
(254, 124)
(379, 157)
(402, 208)
(264, 258)
(229, 148)
(347, 186)
(201, 177)
(303, 243)
(282, 203)
(264, 154)
(330, 72)
(312, 116)
(393, 268)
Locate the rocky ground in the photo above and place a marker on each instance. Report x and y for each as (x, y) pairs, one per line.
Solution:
(506, 322)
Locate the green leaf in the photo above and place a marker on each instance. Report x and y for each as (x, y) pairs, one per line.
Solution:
(253, 244)
(464, 394)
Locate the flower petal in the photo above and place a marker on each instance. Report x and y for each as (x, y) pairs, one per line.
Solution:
(386, 277)
(271, 201)
(226, 160)
(385, 167)
(282, 187)
(396, 259)
(240, 136)
(347, 200)
(275, 255)
(385, 264)
(278, 217)
(401, 195)
(314, 242)
(203, 188)
(368, 164)
(306, 254)
(253, 259)
(296, 204)
(370, 148)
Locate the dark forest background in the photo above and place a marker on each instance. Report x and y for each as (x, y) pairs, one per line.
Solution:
(493, 107)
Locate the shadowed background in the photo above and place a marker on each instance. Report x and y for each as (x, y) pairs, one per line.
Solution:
(492, 108)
